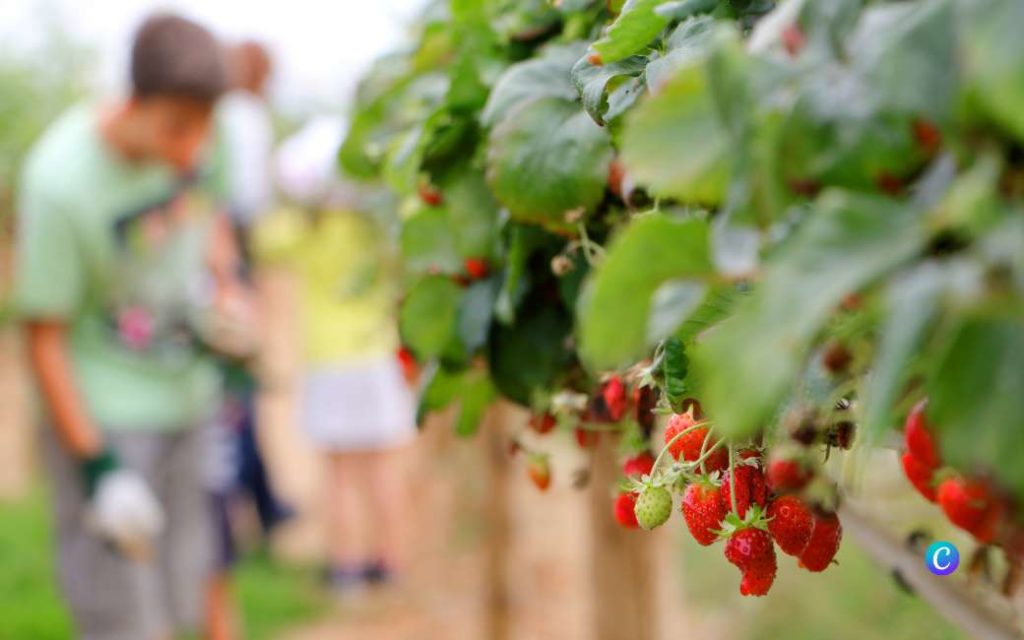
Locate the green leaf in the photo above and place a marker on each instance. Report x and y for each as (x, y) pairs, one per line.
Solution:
(745, 367)
(976, 399)
(475, 313)
(472, 211)
(993, 51)
(912, 304)
(670, 370)
(477, 393)
(689, 43)
(549, 76)
(592, 81)
(427, 319)
(428, 244)
(675, 143)
(632, 31)
(614, 316)
(441, 389)
(546, 159)
(528, 356)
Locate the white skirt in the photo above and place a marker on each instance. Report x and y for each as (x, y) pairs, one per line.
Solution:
(358, 407)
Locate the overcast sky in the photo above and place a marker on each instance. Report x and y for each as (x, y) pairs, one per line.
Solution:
(321, 46)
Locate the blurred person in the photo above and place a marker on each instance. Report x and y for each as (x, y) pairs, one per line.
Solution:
(356, 406)
(124, 283)
(237, 468)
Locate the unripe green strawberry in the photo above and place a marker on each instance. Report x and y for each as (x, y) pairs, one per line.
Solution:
(653, 507)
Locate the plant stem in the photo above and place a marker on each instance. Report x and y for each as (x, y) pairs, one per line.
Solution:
(671, 442)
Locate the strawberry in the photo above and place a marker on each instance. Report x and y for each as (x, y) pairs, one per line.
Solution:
(429, 194)
(639, 465)
(756, 583)
(688, 446)
(918, 437)
(793, 39)
(702, 508)
(826, 534)
(539, 471)
(408, 364)
(586, 438)
(790, 523)
(927, 136)
(477, 268)
(616, 174)
(614, 394)
(919, 475)
(836, 357)
(750, 488)
(970, 505)
(625, 503)
(787, 475)
(543, 423)
(594, 58)
(653, 507)
(645, 399)
(752, 552)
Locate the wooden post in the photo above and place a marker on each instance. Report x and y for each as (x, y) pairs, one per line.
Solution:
(499, 520)
(623, 579)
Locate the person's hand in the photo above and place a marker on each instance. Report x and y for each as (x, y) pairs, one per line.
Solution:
(124, 511)
(229, 326)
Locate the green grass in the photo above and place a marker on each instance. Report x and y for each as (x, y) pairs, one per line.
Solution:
(272, 597)
(853, 600)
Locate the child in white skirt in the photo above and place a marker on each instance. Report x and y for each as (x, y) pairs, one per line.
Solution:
(356, 405)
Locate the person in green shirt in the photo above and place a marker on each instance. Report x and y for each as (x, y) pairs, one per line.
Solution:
(123, 281)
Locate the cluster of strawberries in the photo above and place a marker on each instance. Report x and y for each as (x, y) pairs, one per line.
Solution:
(752, 506)
(972, 504)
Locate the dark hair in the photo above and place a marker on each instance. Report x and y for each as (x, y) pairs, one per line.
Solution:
(173, 56)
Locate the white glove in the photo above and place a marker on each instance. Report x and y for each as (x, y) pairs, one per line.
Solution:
(124, 510)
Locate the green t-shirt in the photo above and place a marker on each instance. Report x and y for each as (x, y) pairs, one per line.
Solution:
(118, 251)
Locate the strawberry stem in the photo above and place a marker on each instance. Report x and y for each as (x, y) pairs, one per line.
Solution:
(672, 441)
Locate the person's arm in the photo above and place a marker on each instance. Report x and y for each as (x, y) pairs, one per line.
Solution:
(51, 366)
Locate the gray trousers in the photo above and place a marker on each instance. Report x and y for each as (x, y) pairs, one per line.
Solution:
(110, 596)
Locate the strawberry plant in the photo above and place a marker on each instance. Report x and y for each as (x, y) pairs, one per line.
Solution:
(782, 226)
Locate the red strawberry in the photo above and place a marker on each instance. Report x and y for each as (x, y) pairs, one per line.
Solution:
(927, 135)
(594, 58)
(645, 399)
(539, 471)
(756, 583)
(793, 39)
(688, 446)
(970, 505)
(836, 357)
(639, 465)
(616, 174)
(751, 550)
(750, 488)
(542, 423)
(918, 437)
(919, 475)
(703, 511)
(477, 268)
(625, 503)
(614, 394)
(429, 194)
(790, 523)
(787, 475)
(586, 438)
(407, 361)
(821, 548)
